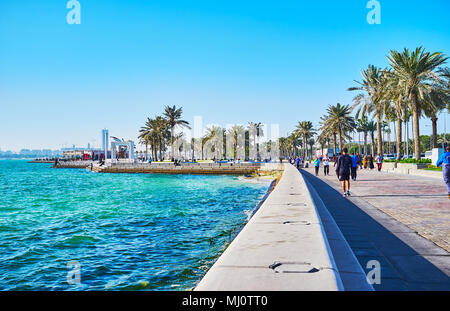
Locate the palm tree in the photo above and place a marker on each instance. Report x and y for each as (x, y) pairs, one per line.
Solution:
(338, 120)
(362, 126)
(322, 140)
(371, 99)
(311, 143)
(284, 145)
(204, 140)
(394, 107)
(256, 130)
(328, 131)
(145, 135)
(235, 131)
(432, 106)
(215, 134)
(173, 117)
(371, 128)
(294, 141)
(306, 130)
(416, 71)
(193, 148)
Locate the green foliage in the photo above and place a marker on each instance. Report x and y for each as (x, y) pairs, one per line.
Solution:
(410, 161)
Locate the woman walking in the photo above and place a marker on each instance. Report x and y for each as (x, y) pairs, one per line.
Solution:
(317, 166)
(379, 162)
(326, 166)
(370, 162)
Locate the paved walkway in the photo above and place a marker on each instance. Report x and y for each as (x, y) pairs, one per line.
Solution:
(402, 221)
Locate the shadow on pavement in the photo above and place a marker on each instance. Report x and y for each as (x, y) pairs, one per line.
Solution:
(402, 268)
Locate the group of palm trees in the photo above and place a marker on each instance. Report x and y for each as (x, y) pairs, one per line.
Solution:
(416, 84)
(159, 133)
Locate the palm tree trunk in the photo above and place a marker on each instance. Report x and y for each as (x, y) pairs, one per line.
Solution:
(379, 134)
(399, 138)
(171, 141)
(305, 144)
(160, 149)
(415, 106)
(389, 138)
(335, 144)
(372, 143)
(340, 139)
(235, 148)
(146, 151)
(434, 120)
(365, 143)
(359, 142)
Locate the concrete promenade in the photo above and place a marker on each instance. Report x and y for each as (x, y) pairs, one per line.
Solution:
(284, 247)
(403, 221)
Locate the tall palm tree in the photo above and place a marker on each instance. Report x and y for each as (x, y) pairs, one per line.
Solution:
(306, 130)
(284, 146)
(362, 126)
(371, 128)
(204, 140)
(416, 72)
(235, 131)
(432, 106)
(338, 120)
(145, 135)
(256, 131)
(215, 134)
(311, 143)
(371, 99)
(173, 117)
(160, 127)
(328, 131)
(193, 148)
(294, 141)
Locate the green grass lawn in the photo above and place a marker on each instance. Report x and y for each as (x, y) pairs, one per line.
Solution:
(433, 169)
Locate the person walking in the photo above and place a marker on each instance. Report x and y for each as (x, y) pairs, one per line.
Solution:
(379, 162)
(444, 160)
(359, 161)
(354, 166)
(317, 163)
(365, 161)
(370, 162)
(343, 167)
(297, 162)
(326, 166)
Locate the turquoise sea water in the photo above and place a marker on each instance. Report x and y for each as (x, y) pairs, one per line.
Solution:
(127, 231)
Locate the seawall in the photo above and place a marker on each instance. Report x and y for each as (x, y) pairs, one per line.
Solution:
(282, 247)
(169, 168)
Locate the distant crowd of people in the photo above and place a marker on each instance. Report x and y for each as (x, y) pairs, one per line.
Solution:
(346, 166)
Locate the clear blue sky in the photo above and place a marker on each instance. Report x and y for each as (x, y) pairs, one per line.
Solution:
(228, 61)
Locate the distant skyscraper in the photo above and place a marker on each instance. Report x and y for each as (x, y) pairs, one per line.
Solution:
(105, 141)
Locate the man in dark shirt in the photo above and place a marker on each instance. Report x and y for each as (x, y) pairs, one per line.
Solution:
(343, 167)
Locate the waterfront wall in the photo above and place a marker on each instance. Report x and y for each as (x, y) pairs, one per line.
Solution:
(74, 164)
(282, 247)
(170, 168)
